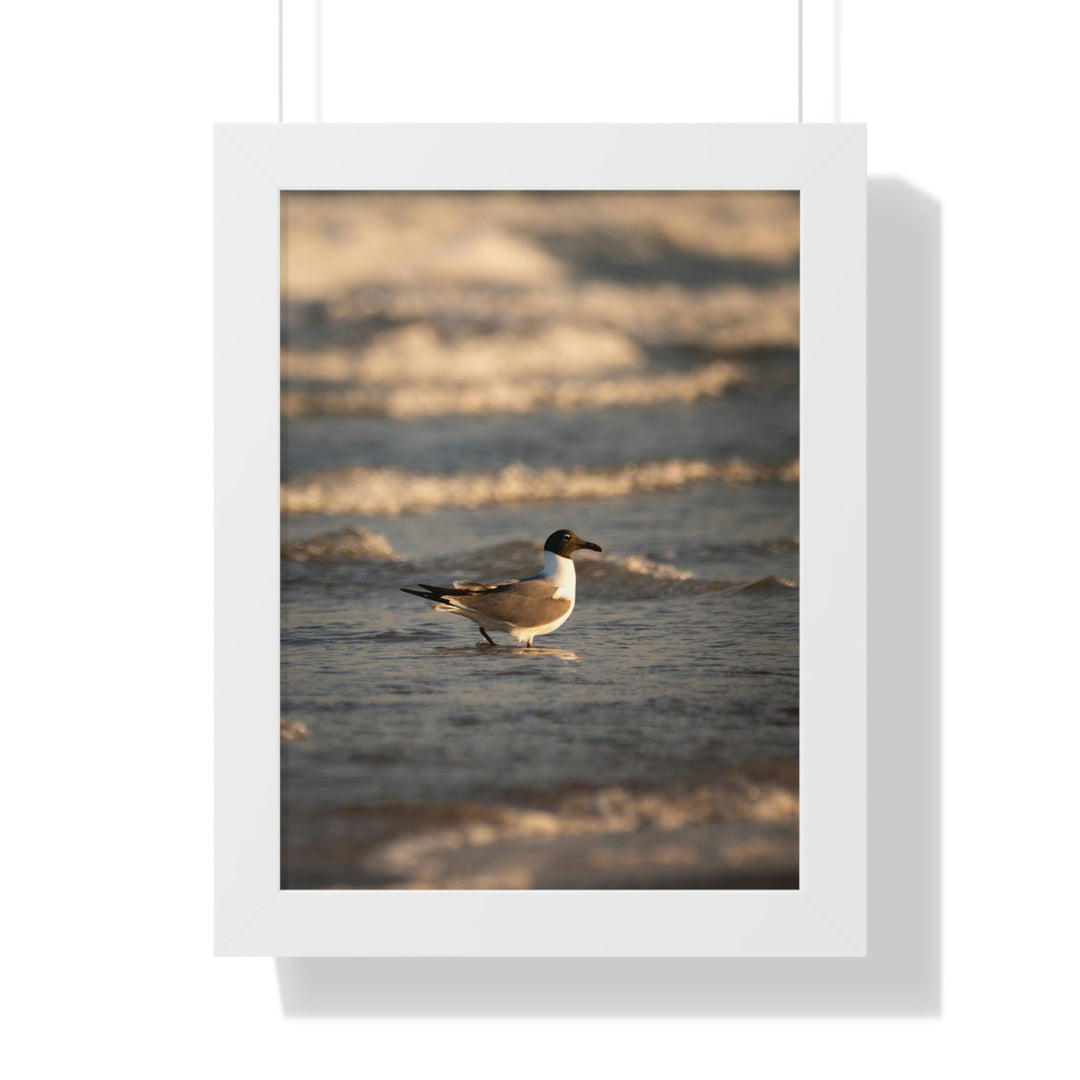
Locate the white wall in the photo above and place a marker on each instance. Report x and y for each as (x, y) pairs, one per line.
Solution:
(106, 544)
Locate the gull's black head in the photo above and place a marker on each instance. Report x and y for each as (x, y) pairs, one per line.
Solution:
(564, 542)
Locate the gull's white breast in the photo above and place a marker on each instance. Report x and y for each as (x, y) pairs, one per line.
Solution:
(559, 570)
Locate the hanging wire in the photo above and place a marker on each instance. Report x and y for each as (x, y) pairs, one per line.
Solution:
(837, 42)
(318, 62)
(800, 61)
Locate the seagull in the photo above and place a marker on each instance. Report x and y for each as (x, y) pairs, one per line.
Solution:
(524, 608)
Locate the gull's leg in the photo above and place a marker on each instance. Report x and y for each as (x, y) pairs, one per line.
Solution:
(485, 633)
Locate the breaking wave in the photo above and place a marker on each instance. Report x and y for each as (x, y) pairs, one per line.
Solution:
(507, 391)
(342, 545)
(388, 491)
(470, 304)
(635, 577)
(748, 825)
(639, 565)
(416, 354)
(293, 730)
(336, 243)
(372, 248)
(719, 317)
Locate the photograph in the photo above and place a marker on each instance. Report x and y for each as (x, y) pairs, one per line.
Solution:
(540, 540)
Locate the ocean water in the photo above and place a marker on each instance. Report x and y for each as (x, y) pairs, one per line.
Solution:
(461, 376)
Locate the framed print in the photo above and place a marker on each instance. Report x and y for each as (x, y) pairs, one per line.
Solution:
(541, 540)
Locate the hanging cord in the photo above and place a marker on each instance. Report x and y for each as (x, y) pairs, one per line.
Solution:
(838, 32)
(800, 61)
(280, 62)
(318, 61)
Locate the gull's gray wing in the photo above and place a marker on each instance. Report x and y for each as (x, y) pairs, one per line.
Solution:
(521, 603)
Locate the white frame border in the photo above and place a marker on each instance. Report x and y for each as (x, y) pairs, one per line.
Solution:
(826, 916)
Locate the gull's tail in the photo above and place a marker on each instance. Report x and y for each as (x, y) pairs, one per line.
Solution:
(437, 593)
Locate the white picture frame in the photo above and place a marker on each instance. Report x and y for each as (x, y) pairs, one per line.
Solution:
(827, 914)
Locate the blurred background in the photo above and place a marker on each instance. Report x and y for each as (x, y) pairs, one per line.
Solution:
(463, 374)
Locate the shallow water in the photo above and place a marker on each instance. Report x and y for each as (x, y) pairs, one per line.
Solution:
(651, 741)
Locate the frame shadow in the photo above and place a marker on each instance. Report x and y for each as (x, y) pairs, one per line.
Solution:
(901, 976)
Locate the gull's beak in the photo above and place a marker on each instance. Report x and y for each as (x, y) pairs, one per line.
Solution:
(591, 546)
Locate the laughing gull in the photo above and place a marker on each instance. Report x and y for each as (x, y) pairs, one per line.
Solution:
(524, 608)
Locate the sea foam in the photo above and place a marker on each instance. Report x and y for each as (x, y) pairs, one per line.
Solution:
(389, 491)
(511, 393)
(342, 545)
